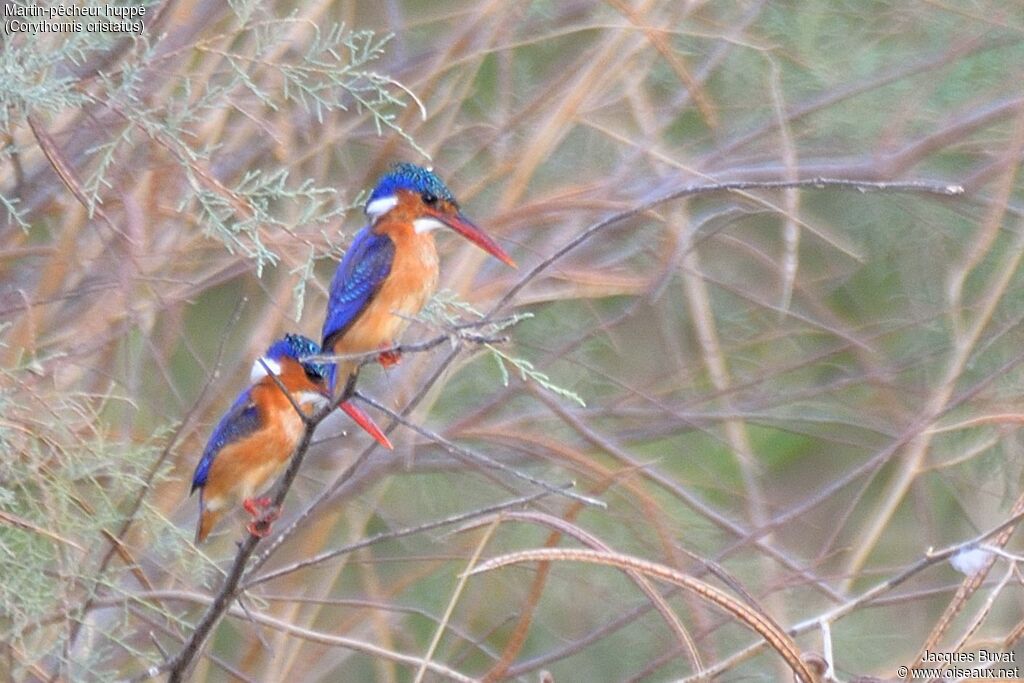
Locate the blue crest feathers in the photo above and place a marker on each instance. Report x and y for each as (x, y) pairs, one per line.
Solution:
(298, 347)
(406, 176)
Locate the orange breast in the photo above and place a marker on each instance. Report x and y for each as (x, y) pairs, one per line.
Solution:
(408, 287)
(245, 468)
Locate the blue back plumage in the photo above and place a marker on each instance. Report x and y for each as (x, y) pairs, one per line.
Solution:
(242, 419)
(406, 176)
(366, 265)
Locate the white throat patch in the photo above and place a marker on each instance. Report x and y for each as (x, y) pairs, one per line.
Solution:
(422, 225)
(316, 399)
(258, 371)
(380, 206)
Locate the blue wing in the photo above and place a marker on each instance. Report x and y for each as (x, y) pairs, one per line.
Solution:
(366, 265)
(241, 420)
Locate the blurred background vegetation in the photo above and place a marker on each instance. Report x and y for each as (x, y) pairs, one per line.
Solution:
(792, 393)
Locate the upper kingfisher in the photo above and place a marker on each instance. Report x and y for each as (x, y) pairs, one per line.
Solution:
(256, 437)
(390, 270)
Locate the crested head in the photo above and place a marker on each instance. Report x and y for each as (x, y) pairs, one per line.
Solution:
(411, 178)
(294, 346)
(425, 203)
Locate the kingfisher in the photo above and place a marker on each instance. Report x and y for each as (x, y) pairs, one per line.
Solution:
(391, 269)
(254, 440)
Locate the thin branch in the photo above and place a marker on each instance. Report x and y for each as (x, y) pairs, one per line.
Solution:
(285, 627)
(456, 594)
(560, 527)
(479, 458)
(820, 183)
(522, 501)
(454, 336)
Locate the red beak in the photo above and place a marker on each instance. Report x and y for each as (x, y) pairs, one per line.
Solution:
(465, 227)
(367, 423)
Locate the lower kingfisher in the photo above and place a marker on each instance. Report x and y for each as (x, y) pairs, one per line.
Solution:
(390, 270)
(256, 437)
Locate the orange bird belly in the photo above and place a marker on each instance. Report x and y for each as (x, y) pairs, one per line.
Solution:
(243, 469)
(406, 290)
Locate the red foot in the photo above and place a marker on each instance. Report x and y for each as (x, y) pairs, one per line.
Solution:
(389, 358)
(256, 506)
(263, 513)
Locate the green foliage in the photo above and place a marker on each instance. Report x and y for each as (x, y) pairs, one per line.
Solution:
(68, 485)
(446, 307)
(333, 74)
(528, 372)
(34, 80)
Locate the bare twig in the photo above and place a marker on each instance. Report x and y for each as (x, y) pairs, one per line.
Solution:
(390, 535)
(454, 336)
(480, 458)
(819, 183)
(459, 587)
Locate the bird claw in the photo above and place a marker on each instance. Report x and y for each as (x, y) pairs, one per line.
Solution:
(264, 514)
(389, 358)
(256, 506)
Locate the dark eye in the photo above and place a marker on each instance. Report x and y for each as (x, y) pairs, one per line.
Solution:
(429, 198)
(312, 374)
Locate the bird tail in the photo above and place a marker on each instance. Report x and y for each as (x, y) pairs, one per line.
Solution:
(207, 520)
